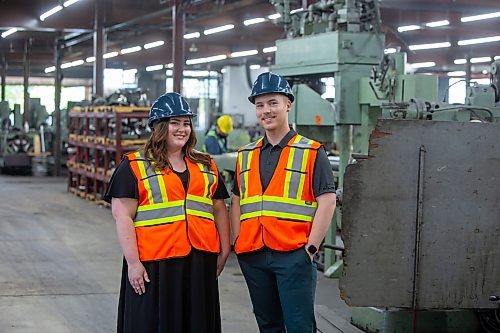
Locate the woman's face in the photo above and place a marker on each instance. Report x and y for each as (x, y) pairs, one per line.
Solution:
(179, 130)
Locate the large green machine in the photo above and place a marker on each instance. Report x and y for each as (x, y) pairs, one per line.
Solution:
(342, 39)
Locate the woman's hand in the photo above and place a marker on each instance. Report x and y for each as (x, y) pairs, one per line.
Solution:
(136, 276)
(221, 261)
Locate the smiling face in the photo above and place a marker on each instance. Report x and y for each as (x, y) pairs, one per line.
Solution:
(179, 130)
(272, 112)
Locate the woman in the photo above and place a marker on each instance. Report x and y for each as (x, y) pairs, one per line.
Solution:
(172, 224)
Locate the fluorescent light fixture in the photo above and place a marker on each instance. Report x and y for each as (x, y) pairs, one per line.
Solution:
(154, 44)
(205, 60)
(170, 65)
(390, 50)
(131, 49)
(90, 59)
(69, 3)
(254, 21)
(485, 71)
(497, 58)
(456, 73)
(274, 16)
(269, 49)
(192, 35)
(479, 60)
(154, 68)
(72, 64)
(244, 53)
(460, 61)
(423, 64)
(480, 17)
(254, 66)
(132, 71)
(298, 10)
(169, 72)
(429, 46)
(110, 55)
(218, 29)
(49, 69)
(408, 28)
(9, 32)
(479, 40)
(50, 12)
(437, 23)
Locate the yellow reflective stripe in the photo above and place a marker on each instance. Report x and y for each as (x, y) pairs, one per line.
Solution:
(162, 220)
(144, 175)
(288, 215)
(253, 199)
(205, 177)
(289, 200)
(250, 215)
(161, 183)
(305, 158)
(160, 205)
(200, 213)
(245, 176)
(199, 199)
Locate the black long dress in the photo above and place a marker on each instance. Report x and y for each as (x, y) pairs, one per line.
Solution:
(183, 295)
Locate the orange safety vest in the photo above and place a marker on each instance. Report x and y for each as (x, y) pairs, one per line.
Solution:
(170, 221)
(281, 216)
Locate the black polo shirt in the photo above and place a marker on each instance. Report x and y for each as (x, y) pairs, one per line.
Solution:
(269, 156)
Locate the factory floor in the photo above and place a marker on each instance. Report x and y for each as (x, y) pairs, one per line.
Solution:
(60, 265)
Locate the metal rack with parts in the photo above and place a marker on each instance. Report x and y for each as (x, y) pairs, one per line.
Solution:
(98, 138)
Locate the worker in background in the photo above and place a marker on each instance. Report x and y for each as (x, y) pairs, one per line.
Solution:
(282, 205)
(216, 137)
(168, 203)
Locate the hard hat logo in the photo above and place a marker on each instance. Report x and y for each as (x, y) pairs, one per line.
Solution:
(225, 124)
(270, 83)
(169, 105)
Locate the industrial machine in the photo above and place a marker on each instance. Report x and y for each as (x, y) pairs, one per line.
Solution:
(401, 226)
(22, 144)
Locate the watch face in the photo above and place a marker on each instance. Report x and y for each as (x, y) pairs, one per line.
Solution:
(312, 249)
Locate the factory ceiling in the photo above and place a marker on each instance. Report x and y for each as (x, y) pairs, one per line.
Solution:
(132, 26)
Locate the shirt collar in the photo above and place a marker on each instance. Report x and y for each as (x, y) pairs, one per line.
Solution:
(283, 141)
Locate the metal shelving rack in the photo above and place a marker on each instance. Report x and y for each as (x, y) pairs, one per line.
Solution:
(94, 149)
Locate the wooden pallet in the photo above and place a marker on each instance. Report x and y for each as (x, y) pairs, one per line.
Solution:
(100, 171)
(103, 203)
(90, 197)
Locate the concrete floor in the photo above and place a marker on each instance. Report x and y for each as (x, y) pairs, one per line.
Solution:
(60, 265)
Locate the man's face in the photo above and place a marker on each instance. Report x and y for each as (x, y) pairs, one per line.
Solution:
(272, 111)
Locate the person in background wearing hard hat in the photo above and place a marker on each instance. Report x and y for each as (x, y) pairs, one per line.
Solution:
(282, 205)
(168, 203)
(216, 137)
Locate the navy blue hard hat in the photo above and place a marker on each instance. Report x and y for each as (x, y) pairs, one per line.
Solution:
(169, 105)
(270, 83)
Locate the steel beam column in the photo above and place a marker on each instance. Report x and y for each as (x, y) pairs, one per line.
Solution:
(57, 102)
(4, 74)
(26, 61)
(178, 18)
(99, 40)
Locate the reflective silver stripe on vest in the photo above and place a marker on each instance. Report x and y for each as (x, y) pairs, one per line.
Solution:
(267, 208)
(210, 177)
(296, 174)
(244, 162)
(199, 206)
(152, 178)
(159, 213)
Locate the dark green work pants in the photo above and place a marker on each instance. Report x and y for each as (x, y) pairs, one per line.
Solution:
(282, 287)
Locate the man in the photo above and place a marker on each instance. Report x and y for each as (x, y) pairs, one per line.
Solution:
(216, 137)
(283, 203)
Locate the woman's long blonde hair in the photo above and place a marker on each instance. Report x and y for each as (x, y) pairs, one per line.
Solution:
(156, 151)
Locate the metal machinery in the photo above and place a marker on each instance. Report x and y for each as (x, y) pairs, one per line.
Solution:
(22, 144)
(341, 38)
